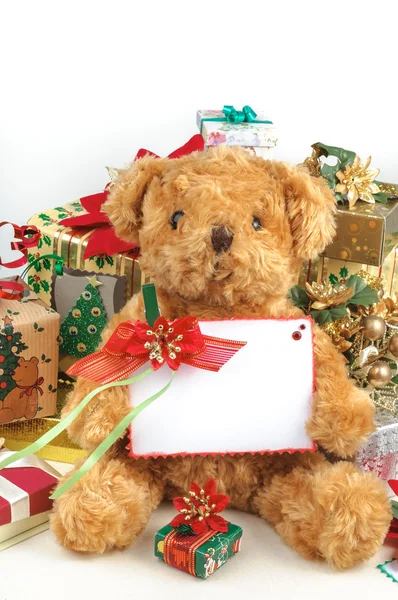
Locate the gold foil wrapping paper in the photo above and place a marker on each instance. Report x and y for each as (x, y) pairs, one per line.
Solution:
(366, 234)
(321, 268)
(70, 243)
(19, 435)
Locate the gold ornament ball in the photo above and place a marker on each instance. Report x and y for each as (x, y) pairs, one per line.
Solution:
(373, 327)
(393, 345)
(379, 374)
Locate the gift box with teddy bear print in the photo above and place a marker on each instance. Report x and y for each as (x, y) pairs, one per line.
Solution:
(28, 358)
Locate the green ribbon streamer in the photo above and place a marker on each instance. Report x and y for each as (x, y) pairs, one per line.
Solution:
(111, 439)
(246, 115)
(59, 264)
(62, 425)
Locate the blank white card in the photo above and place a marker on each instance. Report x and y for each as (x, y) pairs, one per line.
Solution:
(259, 401)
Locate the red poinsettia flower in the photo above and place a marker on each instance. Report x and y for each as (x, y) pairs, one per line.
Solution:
(168, 342)
(199, 510)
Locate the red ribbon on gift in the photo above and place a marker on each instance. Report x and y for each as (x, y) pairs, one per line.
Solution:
(104, 239)
(27, 237)
(134, 344)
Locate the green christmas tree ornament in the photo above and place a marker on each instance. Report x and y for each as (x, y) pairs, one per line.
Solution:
(81, 330)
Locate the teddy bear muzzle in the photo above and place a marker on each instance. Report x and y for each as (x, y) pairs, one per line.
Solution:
(221, 239)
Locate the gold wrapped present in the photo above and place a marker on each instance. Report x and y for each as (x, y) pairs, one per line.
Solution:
(324, 269)
(21, 434)
(74, 244)
(366, 233)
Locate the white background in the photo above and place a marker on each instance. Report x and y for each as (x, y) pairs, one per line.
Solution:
(84, 84)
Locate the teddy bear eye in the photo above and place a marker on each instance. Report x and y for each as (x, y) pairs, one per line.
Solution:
(256, 223)
(175, 218)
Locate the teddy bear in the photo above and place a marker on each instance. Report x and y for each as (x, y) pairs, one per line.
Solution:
(22, 400)
(222, 235)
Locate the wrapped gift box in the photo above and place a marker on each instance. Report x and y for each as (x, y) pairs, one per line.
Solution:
(21, 434)
(199, 555)
(330, 269)
(118, 276)
(25, 504)
(380, 453)
(28, 358)
(366, 233)
(71, 243)
(258, 136)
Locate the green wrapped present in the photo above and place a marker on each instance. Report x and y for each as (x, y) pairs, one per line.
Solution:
(199, 555)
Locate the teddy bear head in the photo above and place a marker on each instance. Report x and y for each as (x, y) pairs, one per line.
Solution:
(26, 372)
(221, 225)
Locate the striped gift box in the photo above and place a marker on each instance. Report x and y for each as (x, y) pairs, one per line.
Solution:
(25, 490)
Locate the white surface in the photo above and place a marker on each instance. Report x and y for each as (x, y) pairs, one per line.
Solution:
(87, 83)
(250, 419)
(266, 568)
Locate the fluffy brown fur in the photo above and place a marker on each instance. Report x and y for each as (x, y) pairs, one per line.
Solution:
(333, 512)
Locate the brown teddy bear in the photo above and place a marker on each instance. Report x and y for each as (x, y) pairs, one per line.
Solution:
(22, 400)
(221, 235)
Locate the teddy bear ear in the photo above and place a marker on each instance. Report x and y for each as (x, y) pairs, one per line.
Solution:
(34, 360)
(311, 209)
(125, 200)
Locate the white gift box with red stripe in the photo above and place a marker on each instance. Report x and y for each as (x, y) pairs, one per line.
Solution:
(25, 489)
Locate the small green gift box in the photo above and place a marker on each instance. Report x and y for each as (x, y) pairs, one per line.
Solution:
(200, 555)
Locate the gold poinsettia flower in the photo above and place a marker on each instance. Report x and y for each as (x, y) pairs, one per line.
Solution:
(357, 182)
(326, 295)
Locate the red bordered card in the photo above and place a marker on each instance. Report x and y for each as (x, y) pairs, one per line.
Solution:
(258, 402)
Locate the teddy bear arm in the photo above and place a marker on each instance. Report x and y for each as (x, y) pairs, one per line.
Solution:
(108, 407)
(342, 413)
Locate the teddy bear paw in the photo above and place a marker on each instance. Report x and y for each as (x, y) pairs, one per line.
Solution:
(104, 510)
(356, 522)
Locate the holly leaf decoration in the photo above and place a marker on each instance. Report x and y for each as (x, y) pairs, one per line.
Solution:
(298, 296)
(333, 279)
(363, 294)
(109, 260)
(46, 264)
(343, 272)
(44, 217)
(329, 314)
(46, 240)
(39, 243)
(36, 287)
(45, 285)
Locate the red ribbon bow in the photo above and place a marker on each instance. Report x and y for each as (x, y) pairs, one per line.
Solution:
(133, 344)
(28, 237)
(104, 239)
(199, 509)
(28, 389)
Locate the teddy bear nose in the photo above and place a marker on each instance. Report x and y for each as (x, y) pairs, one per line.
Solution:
(221, 239)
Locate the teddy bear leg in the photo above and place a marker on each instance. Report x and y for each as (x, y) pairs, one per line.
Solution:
(31, 405)
(333, 512)
(6, 415)
(108, 508)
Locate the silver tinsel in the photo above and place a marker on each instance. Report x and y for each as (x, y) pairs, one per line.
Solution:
(380, 453)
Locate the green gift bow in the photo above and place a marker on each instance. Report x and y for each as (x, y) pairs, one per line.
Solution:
(246, 115)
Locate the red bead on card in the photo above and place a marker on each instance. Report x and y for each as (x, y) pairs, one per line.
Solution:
(296, 335)
(302, 326)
